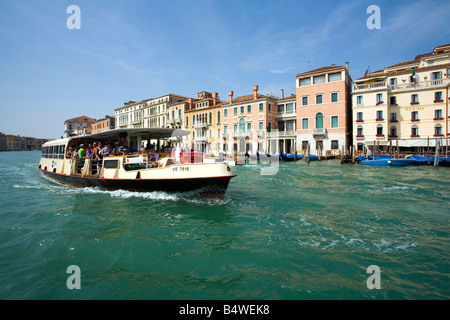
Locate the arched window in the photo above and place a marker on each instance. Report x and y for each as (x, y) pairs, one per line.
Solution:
(380, 130)
(393, 131)
(319, 120)
(414, 131)
(242, 125)
(360, 131)
(438, 130)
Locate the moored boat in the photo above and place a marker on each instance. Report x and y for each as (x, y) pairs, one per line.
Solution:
(288, 157)
(388, 162)
(311, 157)
(428, 160)
(134, 170)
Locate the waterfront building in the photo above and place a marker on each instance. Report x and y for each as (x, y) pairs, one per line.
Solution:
(203, 120)
(3, 146)
(73, 126)
(175, 114)
(107, 123)
(246, 121)
(129, 115)
(18, 143)
(13, 143)
(406, 102)
(324, 113)
(286, 118)
(155, 111)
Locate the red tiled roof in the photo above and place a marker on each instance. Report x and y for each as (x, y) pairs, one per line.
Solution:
(320, 70)
(381, 73)
(81, 119)
(292, 96)
(248, 97)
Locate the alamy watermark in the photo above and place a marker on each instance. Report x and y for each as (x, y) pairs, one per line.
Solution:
(74, 20)
(374, 280)
(374, 21)
(74, 280)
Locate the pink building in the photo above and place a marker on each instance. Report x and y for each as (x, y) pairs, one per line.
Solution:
(246, 122)
(324, 113)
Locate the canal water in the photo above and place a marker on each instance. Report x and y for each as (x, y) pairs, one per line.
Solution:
(308, 231)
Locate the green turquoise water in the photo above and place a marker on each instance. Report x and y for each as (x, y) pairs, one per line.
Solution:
(308, 232)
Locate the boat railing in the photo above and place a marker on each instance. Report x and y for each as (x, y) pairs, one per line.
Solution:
(144, 161)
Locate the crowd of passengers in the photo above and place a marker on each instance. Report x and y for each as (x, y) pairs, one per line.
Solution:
(96, 153)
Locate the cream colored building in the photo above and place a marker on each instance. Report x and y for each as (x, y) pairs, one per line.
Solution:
(155, 112)
(175, 116)
(77, 125)
(392, 104)
(129, 115)
(203, 118)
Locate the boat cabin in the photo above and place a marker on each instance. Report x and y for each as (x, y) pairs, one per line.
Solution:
(130, 150)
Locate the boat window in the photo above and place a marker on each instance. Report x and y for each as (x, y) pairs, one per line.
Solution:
(61, 151)
(110, 164)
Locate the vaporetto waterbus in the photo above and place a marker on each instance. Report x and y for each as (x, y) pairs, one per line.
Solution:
(135, 170)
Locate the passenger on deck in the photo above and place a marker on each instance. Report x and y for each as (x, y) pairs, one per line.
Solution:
(75, 153)
(89, 151)
(81, 153)
(106, 151)
(69, 153)
(116, 148)
(123, 149)
(95, 157)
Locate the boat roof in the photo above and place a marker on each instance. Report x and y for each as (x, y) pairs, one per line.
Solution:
(114, 134)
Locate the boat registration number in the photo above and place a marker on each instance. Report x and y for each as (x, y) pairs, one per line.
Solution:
(180, 169)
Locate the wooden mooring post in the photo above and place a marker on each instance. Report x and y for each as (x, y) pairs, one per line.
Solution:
(307, 154)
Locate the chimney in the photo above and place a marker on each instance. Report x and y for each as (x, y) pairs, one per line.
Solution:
(346, 66)
(255, 91)
(215, 95)
(282, 94)
(230, 94)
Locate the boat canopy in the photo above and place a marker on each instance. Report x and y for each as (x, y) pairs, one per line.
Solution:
(151, 133)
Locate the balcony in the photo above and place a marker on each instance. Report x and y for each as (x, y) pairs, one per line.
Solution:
(280, 134)
(201, 139)
(382, 85)
(201, 125)
(419, 85)
(286, 114)
(373, 86)
(319, 133)
(242, 135)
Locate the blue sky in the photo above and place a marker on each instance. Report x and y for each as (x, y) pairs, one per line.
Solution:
(140, 49)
